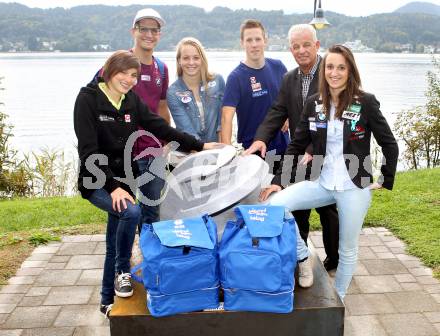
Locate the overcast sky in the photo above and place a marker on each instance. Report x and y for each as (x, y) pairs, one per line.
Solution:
(347, 7)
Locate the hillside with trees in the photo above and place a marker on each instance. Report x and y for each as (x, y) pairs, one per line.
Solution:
(419, 7)
(99, 27)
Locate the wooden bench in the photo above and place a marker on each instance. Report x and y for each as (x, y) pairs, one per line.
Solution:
(318, 311)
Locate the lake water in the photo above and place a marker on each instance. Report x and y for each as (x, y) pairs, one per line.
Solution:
(40, 88)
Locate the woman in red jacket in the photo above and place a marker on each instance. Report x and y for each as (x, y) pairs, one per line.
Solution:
(338, 122)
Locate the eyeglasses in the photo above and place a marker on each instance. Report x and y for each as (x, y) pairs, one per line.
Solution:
(144, 30)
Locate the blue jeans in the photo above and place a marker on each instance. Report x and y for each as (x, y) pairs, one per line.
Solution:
(302, 251)
(151, 189)
(121, 229)
(352, 205)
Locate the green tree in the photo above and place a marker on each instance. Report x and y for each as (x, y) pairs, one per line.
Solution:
(419, 128)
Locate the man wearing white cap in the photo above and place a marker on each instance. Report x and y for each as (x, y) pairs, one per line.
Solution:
(151, 88)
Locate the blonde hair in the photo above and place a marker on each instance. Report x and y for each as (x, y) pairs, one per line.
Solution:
(204, 72)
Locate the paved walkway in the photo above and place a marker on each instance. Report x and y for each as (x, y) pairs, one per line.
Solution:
(56, 290)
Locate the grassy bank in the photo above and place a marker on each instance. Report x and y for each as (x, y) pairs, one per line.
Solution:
(411, 211)
(25, 223)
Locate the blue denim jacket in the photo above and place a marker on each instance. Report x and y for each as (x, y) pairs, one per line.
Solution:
(185, 112)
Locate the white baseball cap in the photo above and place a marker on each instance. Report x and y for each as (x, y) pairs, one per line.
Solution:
(148, 13)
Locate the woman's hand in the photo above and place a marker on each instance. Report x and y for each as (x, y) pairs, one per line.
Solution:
(119, 197)
(212, 145)
(375, 186)
(264, 194)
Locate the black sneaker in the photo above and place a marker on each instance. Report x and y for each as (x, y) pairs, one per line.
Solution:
(105, 309)
(123, 286)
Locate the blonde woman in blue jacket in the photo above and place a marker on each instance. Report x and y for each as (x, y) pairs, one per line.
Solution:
(195, 98)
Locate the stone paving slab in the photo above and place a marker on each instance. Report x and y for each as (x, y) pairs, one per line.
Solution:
(409, 302)
(92, 331)
(377, 284)
(98, 238)
(77, 248)
(50, 248)
(80, 315)
(16, 332)
(363, 326)
(31, 301)
(86, 262)
(32, 317)
(77, 239)
(383, 267)
(69, 295)
(57, 290)
(29, 271)
(40, 256)
(14, 289)
(96, 296)
(38, 291)
(49, 332)
(10, 298)
(90, 277)
(22, 280)
(414, 324)
(369, 304)
(411, 286)
(58, 278)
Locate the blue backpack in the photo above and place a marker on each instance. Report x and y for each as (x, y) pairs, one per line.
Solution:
(180, 265)
(257, 260)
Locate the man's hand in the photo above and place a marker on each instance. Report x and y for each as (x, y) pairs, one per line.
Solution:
(255, 147)
(264, 194)
(285, 127)
(119, 197)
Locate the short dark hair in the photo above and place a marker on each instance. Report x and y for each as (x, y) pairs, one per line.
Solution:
(119, 61)
(249, 24)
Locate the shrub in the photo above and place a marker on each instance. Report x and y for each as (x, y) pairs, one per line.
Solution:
(419, 128)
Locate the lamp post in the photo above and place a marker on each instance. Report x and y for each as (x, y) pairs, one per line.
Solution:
(319, 21)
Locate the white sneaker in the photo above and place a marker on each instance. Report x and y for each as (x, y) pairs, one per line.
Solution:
(305, 273)
(106, 309)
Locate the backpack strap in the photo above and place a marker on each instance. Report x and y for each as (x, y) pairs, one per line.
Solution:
(161, 66)
(98, 74)
(133, 272)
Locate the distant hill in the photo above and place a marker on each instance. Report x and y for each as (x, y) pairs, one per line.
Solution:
(419, 7)
(99, 27)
